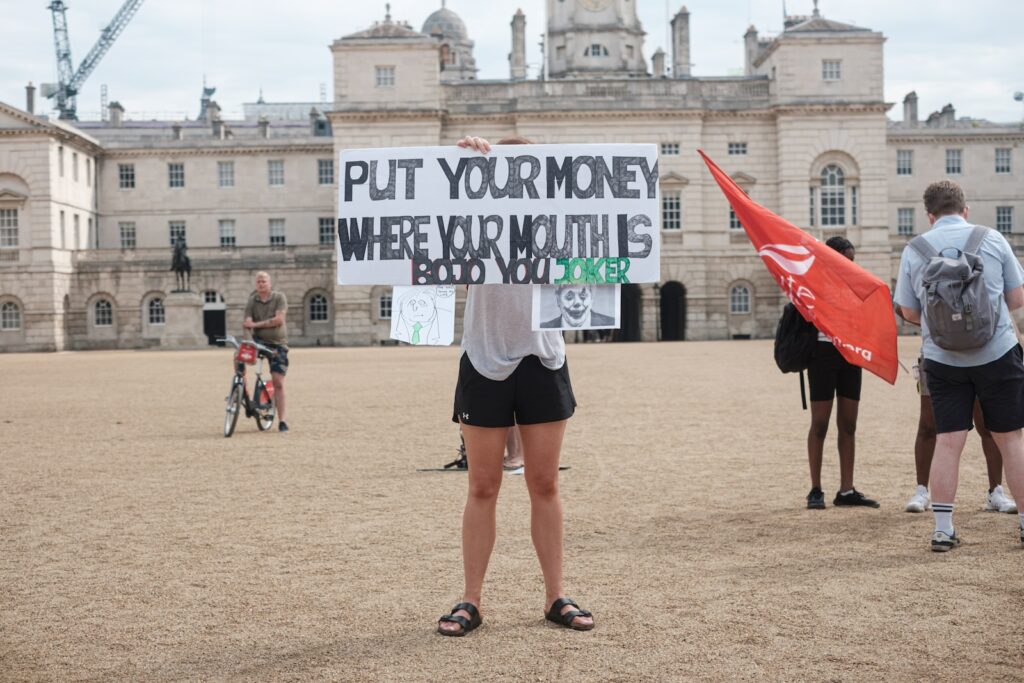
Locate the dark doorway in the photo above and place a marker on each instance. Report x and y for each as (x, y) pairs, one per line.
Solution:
(673, 311)
(214, 325)
(629, 330)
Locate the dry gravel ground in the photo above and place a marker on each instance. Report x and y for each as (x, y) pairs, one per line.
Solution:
(137, 544)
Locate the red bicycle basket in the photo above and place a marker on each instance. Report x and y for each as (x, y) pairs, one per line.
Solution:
(246, 354)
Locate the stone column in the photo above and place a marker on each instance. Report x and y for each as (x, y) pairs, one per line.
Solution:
(517, 58)
(183, 321)
(681, 44)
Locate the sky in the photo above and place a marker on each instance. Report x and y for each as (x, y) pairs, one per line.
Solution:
(973, 58)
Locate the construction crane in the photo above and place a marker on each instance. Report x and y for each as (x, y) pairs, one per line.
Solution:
(70, 81)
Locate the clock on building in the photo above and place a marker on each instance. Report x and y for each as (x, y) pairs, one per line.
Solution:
(595, 5)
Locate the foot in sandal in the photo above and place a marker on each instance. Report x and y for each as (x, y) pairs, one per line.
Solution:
(565, 612)
(463, 618)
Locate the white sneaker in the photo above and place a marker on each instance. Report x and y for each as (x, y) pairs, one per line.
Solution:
(998, 501)
(919, 502)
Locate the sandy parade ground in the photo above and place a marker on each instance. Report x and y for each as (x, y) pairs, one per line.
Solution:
(138, 544)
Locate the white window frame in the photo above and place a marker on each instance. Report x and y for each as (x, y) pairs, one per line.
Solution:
(10, 316)
(385, 76)
(831, 70)
(126, 176)
(905, 221)
(672, 210)
(739, 300)
(226, 233)
(954, 161)
(127, 232)
(1004, 160)
(385, 305)
(176, 174)
(108, 313)
(156, 312)
(76, 232)
(276, 230)
(832, 199)
(174, 228)
(275, 172)
(1004, 219)
(329, 234)
(734, 220)
(318, 310)
(9, 237)
(905, 162)
(225, 174)
(325, 171)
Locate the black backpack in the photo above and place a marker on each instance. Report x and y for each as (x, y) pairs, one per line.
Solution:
(795, 341)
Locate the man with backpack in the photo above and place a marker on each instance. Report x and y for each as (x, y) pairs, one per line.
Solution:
(960, 282)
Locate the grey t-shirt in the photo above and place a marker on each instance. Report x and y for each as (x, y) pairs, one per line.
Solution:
(497, 331)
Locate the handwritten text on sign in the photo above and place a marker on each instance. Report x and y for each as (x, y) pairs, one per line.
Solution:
(523, 214)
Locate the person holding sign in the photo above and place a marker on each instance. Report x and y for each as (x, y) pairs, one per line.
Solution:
(509, 375)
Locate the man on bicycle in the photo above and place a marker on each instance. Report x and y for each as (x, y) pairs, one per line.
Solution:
(265, 318)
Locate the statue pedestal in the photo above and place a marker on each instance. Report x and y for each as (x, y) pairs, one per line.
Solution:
(183, 322)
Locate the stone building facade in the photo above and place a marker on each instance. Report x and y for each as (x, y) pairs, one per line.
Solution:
(805, 132)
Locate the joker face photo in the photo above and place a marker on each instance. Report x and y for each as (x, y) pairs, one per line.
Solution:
(574, 301)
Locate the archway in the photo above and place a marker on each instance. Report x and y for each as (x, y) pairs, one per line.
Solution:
(673, 311)
(629, 330)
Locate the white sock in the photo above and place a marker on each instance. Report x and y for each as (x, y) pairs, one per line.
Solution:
(943, 517)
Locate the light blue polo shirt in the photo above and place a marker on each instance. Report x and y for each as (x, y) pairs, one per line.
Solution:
(1003, 273)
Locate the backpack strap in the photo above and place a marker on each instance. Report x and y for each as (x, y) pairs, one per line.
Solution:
(923, 247)
(977, 236)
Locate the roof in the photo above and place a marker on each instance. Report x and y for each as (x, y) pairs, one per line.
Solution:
(387, 29)
(447, 24)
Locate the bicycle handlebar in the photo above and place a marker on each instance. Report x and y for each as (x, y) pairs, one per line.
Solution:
(270, 353)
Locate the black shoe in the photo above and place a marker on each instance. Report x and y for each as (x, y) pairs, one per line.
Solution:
(855, 499)
(282, 426)
(816, 499)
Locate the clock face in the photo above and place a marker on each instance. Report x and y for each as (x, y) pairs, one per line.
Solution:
(595, 5)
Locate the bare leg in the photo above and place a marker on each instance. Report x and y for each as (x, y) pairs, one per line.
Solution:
(1011, 445)
(946, 465)
(542, 446)
(278, 379)
(993, 459)
(484, 450)
(821, 411)
(924, 445)
(846, 424)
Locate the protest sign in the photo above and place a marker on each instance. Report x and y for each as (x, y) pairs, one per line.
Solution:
(423, 316)
(537, 214)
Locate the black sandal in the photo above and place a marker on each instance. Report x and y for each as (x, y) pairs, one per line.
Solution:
(467, 626)
(555, 614)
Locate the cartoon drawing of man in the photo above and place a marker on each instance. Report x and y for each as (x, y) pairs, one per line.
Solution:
(417, 317)
(575, 303)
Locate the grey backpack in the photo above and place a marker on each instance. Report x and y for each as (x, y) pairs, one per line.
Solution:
(957, 306)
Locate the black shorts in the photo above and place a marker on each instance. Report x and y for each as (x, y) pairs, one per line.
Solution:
(831, 375)
(998, 386)
(532, 394)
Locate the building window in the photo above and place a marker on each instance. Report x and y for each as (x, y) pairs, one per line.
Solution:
(127, 231)
(905, 221)
(737, 149)
(325, 171)
(810, 221)
(156, 313)
(63, 232)
(739, 300)
(212, 297)
(275, 172)
(672, 210)
(318, 309)
(74, 166)
(904, 162)
(76, 222)
(176, 230)
(1004, 219)
(175, 175)
(226, 231)
(385, 77)
(103, 313)
(326, 232)
(853, 205)
(276, 233)
(91, 237)
(60, 161)
(88, 172)
(734, 221)
(670, 149)
(833, 196)
(126, 176)
(10, 317)
(8, 234)
(596, 50)
(225, 174)
(1003, 160)
(954, 161)
(384, 307)
(831, 70)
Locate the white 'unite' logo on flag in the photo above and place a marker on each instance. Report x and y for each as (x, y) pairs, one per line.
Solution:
(792, 258)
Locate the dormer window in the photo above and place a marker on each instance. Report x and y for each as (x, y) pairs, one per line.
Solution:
(831, 70)
(385, 77)
(596, 50)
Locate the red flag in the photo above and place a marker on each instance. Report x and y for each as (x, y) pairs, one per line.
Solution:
(839, 297)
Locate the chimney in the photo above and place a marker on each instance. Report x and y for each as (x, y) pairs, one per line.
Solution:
(264, 127)
(910, 109)
(116, 114)
(752, 49)
(681, 43)
(212, 111)
(176, 131)
(30, 98)
(517, 58)
(314, 118)
(218, 128)
(947, 117)
(658, 63)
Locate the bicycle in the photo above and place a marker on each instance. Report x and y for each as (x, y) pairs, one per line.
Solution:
(260, 405)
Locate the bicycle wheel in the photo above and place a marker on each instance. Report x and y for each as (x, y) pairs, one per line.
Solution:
(231, 410)
(265, 411)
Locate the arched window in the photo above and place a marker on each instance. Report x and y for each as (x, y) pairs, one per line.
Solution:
(596, 50)
(10, 316)
(739, 300)
(384, 306)
(318, 311)
(103, 313)
(833, 196)
(157, 316)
